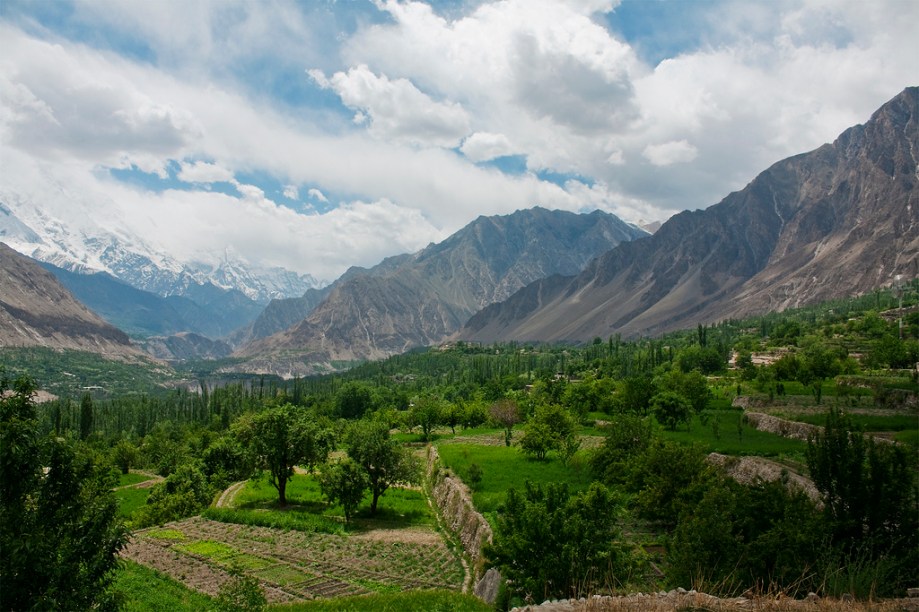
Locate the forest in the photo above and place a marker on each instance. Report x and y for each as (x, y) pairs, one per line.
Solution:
(617, 466)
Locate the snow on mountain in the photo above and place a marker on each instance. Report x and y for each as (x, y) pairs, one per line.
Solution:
(62, 227)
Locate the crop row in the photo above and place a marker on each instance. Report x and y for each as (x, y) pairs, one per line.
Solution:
(293, 565)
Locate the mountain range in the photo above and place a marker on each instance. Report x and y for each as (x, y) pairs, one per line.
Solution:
(840, 220)
(423, 298)
(837, 221)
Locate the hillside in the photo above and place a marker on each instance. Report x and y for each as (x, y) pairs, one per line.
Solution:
(37, 311)
(840, 220)
(423, 298)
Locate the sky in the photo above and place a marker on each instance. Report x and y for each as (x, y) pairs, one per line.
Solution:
(321, 134)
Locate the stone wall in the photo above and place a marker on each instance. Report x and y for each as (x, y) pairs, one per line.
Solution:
(781, 427)
(460, 516)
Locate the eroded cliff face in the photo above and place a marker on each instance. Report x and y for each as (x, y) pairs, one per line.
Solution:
(840, 220)
(36, 310)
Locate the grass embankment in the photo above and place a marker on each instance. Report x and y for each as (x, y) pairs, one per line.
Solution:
(142, 589)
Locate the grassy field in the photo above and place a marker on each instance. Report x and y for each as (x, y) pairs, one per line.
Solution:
(868, 422)
(397, 508)
(142, 589)
(724, 434)
(130, 500)
(503, 468)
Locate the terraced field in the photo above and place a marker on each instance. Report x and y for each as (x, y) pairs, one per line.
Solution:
(296, 566)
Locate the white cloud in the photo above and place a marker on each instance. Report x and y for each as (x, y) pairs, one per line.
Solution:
(539, 78)
(397, 110)
(667, 153)
(250, 192)
(317, 195)
(203, 172)
(485, 146)
(291, 192)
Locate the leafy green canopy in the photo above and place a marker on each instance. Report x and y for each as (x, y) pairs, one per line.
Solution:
(58, 528)
(551, 544)
(383, 460)
(281, 438)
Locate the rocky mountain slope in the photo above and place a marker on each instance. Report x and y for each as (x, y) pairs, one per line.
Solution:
(184, 346)
(420, 299)
(36, 310)
(837, 221)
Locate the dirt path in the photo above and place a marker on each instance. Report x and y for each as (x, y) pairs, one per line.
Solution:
(146, 484)
(229, 494)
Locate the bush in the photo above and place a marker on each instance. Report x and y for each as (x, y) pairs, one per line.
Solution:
(184, 493)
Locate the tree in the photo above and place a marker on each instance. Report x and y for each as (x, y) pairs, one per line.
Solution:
(385, 462)
(627, 437)
(538, 439)
(738, 536)
(226, 461)
(124, 455)
(635, 393)
(663, 478)
(86, 415)
(353, 400)
(59, 530)
(869, 497)
(281, 438)
(670, 409)
(453, 415)
(505, 414)
(241, 594)
(546, 430)
(427, 413)
(550, 544)
(691, 385)
(819, 364)
(344, 483)
(185, 492)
